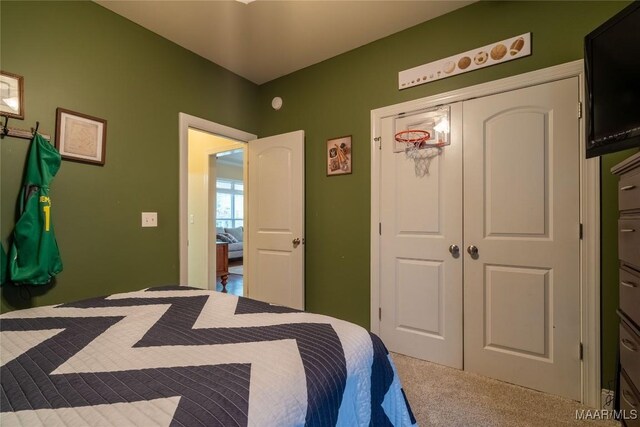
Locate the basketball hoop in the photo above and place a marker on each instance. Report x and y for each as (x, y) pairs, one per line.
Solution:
(416, 137)
(418, 150)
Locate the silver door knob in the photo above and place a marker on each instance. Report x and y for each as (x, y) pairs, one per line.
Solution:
(296, 242)
(473, 251)
(454, 250)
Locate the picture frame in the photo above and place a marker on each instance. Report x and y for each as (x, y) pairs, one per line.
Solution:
(80, 137)
(339, 156)
(11, 95)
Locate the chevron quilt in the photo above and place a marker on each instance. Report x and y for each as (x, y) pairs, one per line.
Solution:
(181, 356)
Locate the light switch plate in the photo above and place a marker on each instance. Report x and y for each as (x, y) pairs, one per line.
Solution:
(149, 219)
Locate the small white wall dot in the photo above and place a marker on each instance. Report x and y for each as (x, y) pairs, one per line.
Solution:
(276, 103)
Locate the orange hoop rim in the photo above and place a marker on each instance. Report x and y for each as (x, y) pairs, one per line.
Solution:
(403, 136)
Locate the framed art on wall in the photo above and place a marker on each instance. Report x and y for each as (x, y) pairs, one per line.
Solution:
(339, 156)
(80, 137)
(11, 95)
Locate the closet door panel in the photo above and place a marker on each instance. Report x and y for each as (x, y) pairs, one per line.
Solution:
(420, 280)
(521, 213)
(517, 206)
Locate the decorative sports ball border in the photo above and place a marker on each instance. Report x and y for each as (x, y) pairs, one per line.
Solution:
(485, 56)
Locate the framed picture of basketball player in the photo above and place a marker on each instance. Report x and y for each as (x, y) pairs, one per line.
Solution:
(339, 156)
(80, 137)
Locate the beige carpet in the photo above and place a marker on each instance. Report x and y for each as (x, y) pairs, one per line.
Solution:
(442, 396)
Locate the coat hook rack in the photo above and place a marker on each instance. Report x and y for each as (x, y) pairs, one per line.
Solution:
(20, 133)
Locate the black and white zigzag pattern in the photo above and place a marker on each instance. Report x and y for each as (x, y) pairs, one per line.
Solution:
(185, 357)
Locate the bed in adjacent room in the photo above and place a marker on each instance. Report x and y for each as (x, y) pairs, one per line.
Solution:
(183, 356)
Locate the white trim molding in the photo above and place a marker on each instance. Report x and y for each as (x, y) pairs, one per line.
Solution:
(589, 209)
(187, 122)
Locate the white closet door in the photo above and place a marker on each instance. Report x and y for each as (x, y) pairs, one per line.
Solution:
(521, 212)
(421, 282)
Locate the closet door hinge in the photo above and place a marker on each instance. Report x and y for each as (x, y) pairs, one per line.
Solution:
(581, 231)
(380, 228)
(579, 110)
(379, 313)
(581, 351)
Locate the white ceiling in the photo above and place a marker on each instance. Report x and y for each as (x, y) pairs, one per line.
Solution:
(266, 39)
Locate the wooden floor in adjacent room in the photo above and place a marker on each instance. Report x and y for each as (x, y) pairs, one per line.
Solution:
(235, 281)
(442, 396)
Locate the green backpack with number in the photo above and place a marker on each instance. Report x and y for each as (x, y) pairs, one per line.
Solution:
(34, 258)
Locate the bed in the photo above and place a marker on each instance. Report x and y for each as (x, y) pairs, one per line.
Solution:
(189, 357)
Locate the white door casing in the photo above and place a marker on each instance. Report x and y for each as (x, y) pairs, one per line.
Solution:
(187, 122)
(522, 213)
(421, 218)
(589, 176)
(275, 231)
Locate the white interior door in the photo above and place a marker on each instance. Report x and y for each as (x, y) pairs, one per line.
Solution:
(421, 281)
(521, 201)
(275, 230)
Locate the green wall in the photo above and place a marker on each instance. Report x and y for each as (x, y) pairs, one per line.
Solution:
(80, 56)
(335, 97)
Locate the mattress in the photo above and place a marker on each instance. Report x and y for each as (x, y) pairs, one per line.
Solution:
(181, 356)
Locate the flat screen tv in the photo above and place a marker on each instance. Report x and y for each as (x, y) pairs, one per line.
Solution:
(612, 62)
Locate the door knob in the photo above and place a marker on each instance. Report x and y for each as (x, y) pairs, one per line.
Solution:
(473, 251)
(454, 250)
(296, 242)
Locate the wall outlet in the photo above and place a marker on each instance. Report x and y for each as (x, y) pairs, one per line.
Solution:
(149, 219)
(607, 398)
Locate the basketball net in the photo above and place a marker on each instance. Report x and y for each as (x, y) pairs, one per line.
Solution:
(422, 158)
(418, 150)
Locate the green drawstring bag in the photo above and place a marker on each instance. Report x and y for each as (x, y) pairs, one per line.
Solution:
(34, 258)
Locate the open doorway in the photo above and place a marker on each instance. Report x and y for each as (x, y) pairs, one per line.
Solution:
(273, 247)
(200, 245)
(215, 211)
(228, 217)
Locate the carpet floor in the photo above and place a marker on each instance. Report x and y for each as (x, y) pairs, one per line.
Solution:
(442, 396)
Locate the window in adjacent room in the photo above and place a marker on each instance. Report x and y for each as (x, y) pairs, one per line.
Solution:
(229, 203)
